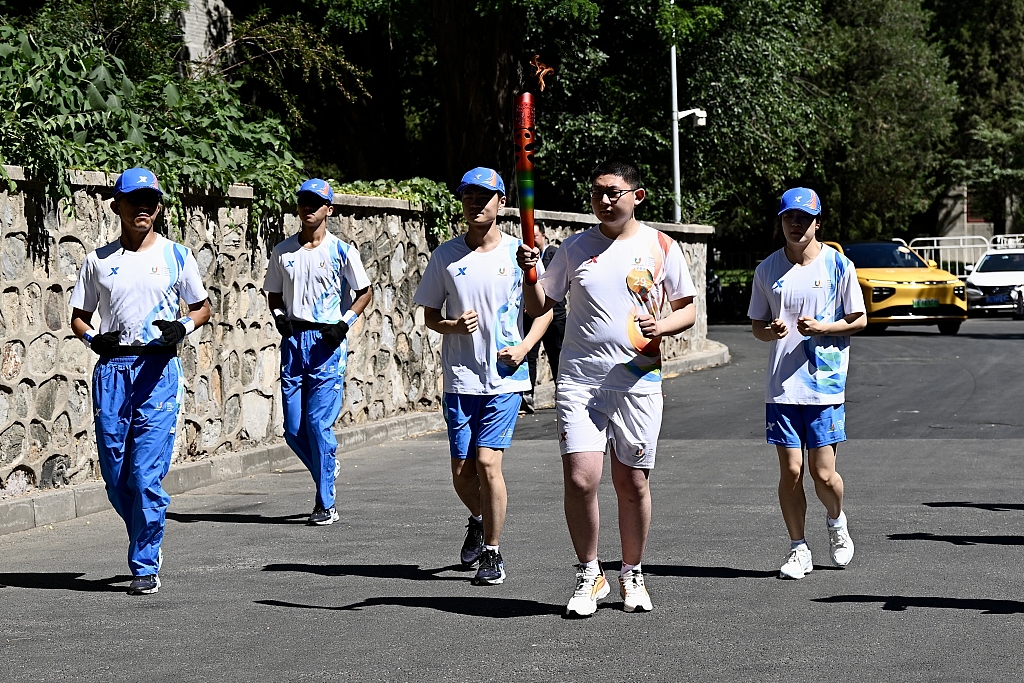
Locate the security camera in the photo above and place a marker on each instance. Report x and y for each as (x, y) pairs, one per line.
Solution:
(700, 121)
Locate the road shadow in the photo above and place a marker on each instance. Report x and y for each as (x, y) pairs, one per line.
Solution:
(409, 572)
(691, 572)
(235, 518)
(899, 603)
(991, 507)
(496, 608)
(63, 581)
(982, 335)
(959, 540)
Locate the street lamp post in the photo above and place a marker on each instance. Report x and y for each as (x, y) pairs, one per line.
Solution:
(700, 119)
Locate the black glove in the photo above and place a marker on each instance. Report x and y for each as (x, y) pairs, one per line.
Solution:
(284, 325)
(333, 334)
(107, 343)
(172, 330)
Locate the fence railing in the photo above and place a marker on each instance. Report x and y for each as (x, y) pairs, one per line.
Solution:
(952, 254)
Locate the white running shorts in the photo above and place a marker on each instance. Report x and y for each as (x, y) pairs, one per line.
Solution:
(590, 417)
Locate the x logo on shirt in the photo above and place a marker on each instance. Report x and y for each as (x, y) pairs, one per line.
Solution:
(289, 264)
(593, 259)
(462, 271)
(113, 271)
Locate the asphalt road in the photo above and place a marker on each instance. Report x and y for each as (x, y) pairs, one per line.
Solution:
(250, 593)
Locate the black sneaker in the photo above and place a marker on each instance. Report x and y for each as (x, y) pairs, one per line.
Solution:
(492, 569)
(322, 517)
(528, 403)
(473, 546)
(144, 585)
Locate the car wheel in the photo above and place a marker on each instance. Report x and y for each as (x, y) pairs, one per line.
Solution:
(949, 327)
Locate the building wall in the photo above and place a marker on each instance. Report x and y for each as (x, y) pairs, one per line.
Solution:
(231, 365)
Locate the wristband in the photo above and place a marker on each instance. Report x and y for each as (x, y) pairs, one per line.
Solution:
(278, 312)
(350, 317)
(189, 323)
(87, 337)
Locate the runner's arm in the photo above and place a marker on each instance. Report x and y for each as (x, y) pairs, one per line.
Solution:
(682, 318)
(844, 327)
(467, 323)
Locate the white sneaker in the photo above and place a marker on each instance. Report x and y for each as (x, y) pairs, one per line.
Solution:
(840, 544)
(798, 564)
(591, 586)
(635, 597)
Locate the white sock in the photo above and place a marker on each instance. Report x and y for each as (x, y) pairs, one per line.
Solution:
(627, 568)
(798, 545)
(592, 567)
(838, 522)
(477, 518)
(491, 547)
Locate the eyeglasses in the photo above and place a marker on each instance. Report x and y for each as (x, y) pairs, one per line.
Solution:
(613, 195)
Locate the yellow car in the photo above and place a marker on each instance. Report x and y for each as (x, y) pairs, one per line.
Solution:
(901, 288)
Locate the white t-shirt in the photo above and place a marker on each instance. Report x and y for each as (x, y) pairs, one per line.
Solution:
(609, 283)
(806, 370)
(131, 289)
(317, 285)
(490, 283)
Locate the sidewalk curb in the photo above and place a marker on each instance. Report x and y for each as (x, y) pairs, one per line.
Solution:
(713, 354)
(48, 507)
(29, 512)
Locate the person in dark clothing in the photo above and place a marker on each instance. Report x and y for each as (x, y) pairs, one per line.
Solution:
(552, 339)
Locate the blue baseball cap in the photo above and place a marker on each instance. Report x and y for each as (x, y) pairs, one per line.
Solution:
(802, 199)
(320, 188)
(482, 176)
(136, 179)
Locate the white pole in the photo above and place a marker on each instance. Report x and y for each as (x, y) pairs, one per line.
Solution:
(676, 211)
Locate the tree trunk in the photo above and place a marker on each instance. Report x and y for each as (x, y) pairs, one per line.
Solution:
(477, 70)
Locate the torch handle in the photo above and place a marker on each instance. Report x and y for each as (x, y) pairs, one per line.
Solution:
(525, 138)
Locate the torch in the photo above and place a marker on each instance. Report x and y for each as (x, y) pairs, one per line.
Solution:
(525, 137)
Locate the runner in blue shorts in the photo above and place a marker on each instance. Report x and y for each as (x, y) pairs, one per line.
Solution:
(475, 279)
(806, 301)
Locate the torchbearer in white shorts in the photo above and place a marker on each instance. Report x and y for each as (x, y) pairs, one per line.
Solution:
(620, 276)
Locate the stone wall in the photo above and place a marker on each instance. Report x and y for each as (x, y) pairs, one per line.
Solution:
(231, 365)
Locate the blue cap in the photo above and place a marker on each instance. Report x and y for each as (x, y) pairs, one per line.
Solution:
(801, 199)
(482, 176)
(318, 187)
(136, 179)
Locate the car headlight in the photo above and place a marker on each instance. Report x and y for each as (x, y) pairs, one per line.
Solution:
(959, 292)
(881, 293)
(974, 291)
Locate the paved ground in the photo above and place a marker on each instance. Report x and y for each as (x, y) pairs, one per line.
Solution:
(250, 593)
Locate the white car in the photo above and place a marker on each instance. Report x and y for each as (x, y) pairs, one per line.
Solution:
(992, 279)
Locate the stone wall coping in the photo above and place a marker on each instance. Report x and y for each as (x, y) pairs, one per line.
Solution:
(587, 220)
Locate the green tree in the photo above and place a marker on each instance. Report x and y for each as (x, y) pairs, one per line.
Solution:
(885, 159)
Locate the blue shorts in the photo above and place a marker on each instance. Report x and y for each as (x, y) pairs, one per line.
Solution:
(793, 426)
(480, 421)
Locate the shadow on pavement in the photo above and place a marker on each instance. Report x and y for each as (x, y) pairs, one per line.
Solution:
(65, 581)
(234, 518)
(899, 603)
(498, 608)
(412, 572)
(706, 572)
(991, 507)
(960, 540)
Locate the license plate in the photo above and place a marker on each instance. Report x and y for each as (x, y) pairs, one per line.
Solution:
(997, 299)
(926, 303)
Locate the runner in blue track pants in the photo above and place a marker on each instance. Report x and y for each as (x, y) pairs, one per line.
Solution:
(316, 287)
(137, 284)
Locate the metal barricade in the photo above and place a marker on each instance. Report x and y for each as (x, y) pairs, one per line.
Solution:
(1011, 241)
(952, 254)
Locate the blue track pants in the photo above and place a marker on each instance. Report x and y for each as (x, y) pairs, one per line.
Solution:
(136, 400)
(312, 386)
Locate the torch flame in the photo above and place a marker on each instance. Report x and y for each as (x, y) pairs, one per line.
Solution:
(542, 70)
